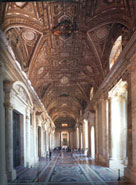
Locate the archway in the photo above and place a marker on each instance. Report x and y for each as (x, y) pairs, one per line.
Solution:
(64, 139)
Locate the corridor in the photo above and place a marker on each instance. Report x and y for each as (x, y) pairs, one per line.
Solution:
(66, 168)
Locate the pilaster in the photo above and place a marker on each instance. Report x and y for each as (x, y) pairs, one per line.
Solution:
(3, 175)
(11, 172)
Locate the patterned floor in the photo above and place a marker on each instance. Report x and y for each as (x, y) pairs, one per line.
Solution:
(67, 169)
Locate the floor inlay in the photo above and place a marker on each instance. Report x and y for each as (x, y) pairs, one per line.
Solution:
(67, 170)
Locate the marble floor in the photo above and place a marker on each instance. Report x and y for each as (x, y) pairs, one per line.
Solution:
(67, 169)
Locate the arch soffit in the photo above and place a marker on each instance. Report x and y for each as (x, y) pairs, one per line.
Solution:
(29, 23)
(101, 19)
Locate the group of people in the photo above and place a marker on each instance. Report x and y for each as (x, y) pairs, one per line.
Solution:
(66, 149)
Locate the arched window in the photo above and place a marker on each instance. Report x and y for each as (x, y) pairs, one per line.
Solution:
(115, 52)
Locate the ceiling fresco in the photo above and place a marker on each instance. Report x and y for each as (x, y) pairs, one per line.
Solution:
(64, 47)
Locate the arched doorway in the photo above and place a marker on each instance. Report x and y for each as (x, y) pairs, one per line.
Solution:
(64, 139)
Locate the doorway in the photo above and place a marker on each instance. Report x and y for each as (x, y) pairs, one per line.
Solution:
(16, 139)
(64, 139)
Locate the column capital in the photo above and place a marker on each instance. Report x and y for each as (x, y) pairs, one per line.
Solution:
(104, 96)
(8, 106)
(8, 86)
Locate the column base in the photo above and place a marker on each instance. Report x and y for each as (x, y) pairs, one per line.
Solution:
(11, 175)
(3, 179)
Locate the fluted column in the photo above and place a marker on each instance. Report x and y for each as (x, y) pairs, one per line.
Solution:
(3, 176)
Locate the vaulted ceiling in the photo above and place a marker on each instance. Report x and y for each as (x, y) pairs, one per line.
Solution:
(64, 47)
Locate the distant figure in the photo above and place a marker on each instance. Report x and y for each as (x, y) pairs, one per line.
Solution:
(50, 154)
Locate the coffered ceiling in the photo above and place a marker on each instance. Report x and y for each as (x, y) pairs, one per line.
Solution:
(64, 47)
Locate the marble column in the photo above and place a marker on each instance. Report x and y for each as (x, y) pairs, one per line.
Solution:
(104, 156)
(83, 136)
(77, 136)
(47, 142)
(9, 142)
(91, 122)
(35, 137)
(97, 133)
(52, 140)
(11, 173)
(118, 127)
(69, 139)
(130, 171)
(3, 176)
(89, 140)
(28, 138)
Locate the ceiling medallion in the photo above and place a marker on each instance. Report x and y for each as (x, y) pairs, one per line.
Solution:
(28, 35)
(64, 80)
(65, 29)
(102, 32)
(40, 71)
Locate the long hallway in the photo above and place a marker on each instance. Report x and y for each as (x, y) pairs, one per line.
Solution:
(68, 83)
(66, 168)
